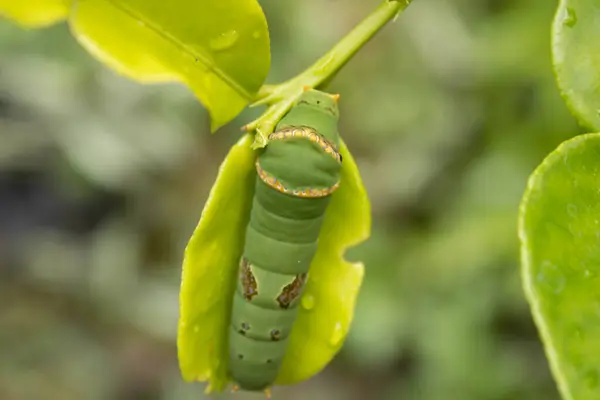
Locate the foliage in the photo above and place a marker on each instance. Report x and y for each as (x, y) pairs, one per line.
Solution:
(560, 226)
(576, 59)
(35, 13)
(220, 50)
(101, 177)
(331, 290)
(220, 59)
(559, 217)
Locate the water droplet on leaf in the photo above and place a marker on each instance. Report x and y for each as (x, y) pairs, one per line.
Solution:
(256, 34)
(571, 18)
(551, 276)
(308, 301)
(224, 41)
(572, 210)
(196, 328)
(336, 336)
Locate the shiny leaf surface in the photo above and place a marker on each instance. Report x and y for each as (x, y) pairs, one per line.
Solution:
(220, 50)
(559, 229)
(576, 58)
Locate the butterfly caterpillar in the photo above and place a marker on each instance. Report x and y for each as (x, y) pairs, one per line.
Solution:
(297, 172)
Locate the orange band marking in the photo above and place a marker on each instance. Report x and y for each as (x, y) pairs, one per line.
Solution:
(310, 134)
(309, 193)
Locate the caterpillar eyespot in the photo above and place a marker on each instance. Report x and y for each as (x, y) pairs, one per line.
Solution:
(281, 237)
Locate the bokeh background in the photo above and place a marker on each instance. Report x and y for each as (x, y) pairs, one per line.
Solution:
(102, 181)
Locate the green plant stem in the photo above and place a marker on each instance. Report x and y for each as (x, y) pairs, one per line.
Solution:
(281, 97)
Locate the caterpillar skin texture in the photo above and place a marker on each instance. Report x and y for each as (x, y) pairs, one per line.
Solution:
(296, 174)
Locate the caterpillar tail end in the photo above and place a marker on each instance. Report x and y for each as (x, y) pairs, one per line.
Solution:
(267, 391)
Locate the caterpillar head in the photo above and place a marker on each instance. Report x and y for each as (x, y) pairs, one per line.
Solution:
(320, 102)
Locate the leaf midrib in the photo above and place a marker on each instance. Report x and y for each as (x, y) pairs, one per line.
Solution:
(202, 58)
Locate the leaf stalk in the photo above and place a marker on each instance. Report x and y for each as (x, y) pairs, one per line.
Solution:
(281, 97)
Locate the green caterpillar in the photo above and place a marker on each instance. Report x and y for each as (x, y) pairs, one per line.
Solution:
(296, 174)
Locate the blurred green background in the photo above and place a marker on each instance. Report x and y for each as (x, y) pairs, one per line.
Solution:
(102, 181)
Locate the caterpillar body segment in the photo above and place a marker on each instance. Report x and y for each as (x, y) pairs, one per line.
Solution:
(296, 174)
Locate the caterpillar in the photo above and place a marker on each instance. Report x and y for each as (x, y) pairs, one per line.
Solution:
(296, 173)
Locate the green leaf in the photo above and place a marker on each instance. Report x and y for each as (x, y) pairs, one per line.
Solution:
(210, 269)
(34, 13)
(559, 228)
(219, 49)
(576, 57)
